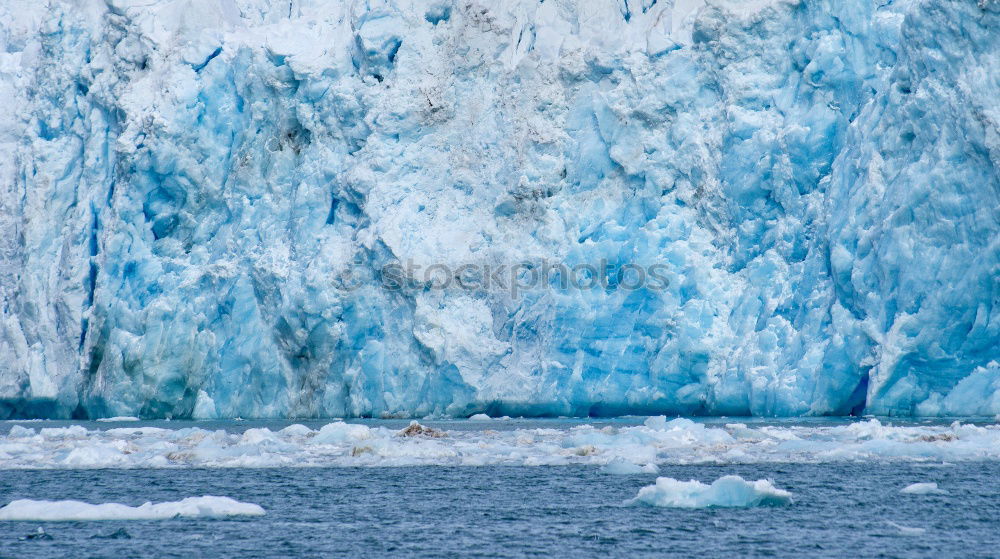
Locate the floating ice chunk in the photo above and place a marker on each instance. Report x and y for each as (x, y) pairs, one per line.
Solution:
(297, 430)
(257, 436)
(141, 431)
(191, 507)
(727, 491)
(118, 419)
(656, 422)
(625, 468)
(71, 432)
(906, 530)
(660, 423)
(102, 455)
(923, 489)
(19, 432)
(340, 432)
(484, 417)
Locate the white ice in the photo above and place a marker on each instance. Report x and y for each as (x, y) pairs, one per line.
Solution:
(923, 489)
(658, 442)
(727, 491)
(906, 530)
(191, 507)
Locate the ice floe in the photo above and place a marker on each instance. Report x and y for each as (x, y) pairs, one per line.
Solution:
(923, 489)
(727, 491)
(191, 507)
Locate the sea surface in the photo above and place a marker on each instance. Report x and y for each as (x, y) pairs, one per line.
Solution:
(840, 508)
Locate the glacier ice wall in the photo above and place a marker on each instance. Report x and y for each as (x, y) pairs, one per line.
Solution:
(186, 184)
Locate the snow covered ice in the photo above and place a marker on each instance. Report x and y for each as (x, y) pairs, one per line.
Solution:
(627, 450)
(191, 507)
(197, 199)
(727, 491)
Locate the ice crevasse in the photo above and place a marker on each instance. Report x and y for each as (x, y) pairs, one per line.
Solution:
(185, 185)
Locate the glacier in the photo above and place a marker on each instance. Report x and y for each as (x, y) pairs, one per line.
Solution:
(198, 200)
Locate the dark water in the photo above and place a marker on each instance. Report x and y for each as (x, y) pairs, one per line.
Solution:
(840, 510)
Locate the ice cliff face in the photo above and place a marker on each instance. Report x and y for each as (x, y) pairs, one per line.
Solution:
(198, 200)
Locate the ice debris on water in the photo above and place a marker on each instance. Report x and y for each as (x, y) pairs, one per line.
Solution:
(906, 530)
(620, 448)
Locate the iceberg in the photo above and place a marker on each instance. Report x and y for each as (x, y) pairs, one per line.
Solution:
(77, 511)
(241, 208)
(727, 491)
